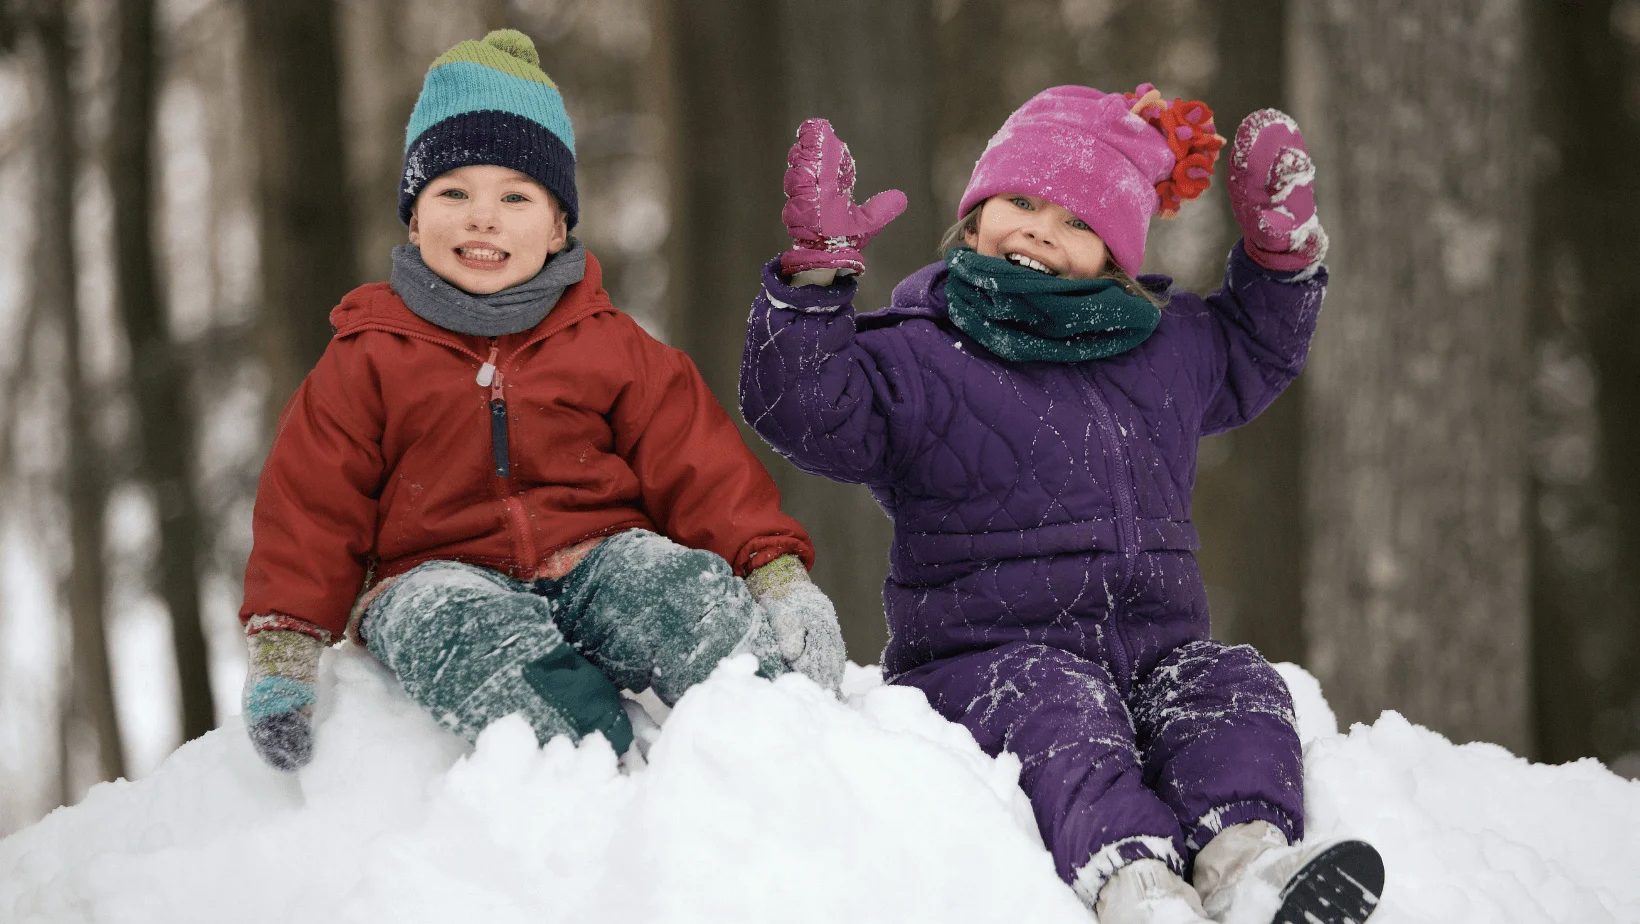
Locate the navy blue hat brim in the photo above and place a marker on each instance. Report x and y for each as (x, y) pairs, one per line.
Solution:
(489, 137)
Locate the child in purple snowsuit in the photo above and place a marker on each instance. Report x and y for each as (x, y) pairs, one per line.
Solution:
(1027, 411)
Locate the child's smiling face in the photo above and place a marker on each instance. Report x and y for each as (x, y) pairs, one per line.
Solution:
(486, 228)
(1037, 234)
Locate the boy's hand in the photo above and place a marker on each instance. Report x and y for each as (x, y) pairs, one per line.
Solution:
(1272, 192)
(803, 619)
(826, 227)
(280, 691)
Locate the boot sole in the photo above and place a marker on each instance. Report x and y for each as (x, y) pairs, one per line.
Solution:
(1339, 886)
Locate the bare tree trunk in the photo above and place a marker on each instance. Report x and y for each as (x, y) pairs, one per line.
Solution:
(158, 374)
(382, 71)
(1416, 593)
(1249, 506)
(1586, 597)
(752, 73)
(873, 77)
(306, 229)
(91, 689)
(727, 85)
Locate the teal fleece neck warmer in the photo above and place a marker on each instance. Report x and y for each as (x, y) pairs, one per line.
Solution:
(1022, 315)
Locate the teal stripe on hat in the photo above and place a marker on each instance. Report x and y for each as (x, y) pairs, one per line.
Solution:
(464, 86)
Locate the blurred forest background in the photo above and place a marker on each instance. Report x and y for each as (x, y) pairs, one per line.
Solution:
(1442, 517)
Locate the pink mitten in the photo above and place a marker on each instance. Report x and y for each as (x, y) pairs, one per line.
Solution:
(826, 227)
(1272, 192)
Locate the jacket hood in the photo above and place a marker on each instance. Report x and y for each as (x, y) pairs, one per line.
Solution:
(376, 305)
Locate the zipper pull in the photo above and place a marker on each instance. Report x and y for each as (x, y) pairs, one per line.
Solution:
(486, 372)
(498, 426)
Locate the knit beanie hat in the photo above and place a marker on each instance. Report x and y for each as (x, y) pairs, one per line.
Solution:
(488, 102)
(1087, 151)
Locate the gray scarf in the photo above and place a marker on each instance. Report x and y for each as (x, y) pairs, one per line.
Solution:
(506, 312)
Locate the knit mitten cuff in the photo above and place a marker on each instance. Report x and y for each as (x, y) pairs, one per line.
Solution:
(777, 578)
(279, 622)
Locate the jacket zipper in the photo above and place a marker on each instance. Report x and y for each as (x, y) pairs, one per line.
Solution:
(1127, 529)
(489, 376)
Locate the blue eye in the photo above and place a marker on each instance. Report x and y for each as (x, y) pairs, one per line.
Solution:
(1079, 224)
(514, 197)
(1021, 202)
(453, 194)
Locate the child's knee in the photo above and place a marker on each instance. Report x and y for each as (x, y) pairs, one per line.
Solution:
(1214, 669)
(445, 628)
(671, 587)
(655, 565)
(426, 590)
(1206, 686)
(686, 607)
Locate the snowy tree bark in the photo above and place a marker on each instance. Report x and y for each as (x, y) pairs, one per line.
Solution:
(91, 693)
(1416, 594)
(159, 373)
(1586, 532)
(306, 230)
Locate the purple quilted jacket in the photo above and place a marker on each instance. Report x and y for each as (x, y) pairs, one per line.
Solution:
(982, 462)
(1042, 585)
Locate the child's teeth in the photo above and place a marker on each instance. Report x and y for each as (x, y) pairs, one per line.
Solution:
(475, 253)
(1028, 263)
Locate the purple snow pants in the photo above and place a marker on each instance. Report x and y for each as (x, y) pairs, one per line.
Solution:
(1200, 736)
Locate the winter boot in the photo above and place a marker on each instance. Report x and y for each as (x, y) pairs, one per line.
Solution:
(1250, 866)
(1147, 892)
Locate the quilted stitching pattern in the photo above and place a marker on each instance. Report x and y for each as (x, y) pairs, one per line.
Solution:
(992, 468)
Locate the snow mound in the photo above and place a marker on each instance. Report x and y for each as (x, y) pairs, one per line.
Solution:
(760, 801)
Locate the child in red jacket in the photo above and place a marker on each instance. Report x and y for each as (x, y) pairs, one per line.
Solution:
(541, 501)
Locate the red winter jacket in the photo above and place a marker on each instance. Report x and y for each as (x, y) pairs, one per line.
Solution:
(392, 453)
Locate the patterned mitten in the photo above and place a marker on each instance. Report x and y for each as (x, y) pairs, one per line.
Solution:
(1272, 192)
(803, 619)
(280, 690)
(826, 227)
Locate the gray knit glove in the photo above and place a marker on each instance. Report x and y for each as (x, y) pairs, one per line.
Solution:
(803, 619)
(280, 689)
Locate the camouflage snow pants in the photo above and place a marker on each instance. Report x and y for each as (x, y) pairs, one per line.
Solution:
(472, 645)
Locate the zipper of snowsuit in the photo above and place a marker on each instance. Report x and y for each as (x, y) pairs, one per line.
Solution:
(1127, 526)
(490, 377)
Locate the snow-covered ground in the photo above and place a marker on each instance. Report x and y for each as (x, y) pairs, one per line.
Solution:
(759, 802)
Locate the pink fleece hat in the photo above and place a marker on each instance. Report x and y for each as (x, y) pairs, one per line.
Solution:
(1082, 149)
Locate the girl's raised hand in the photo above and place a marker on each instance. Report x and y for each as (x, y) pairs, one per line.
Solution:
(826, 227)
(1272, 192)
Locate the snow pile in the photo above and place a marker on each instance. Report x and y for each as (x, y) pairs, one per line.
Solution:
(759, 802)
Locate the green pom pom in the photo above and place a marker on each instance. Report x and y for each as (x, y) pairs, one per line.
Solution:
(514, 43)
